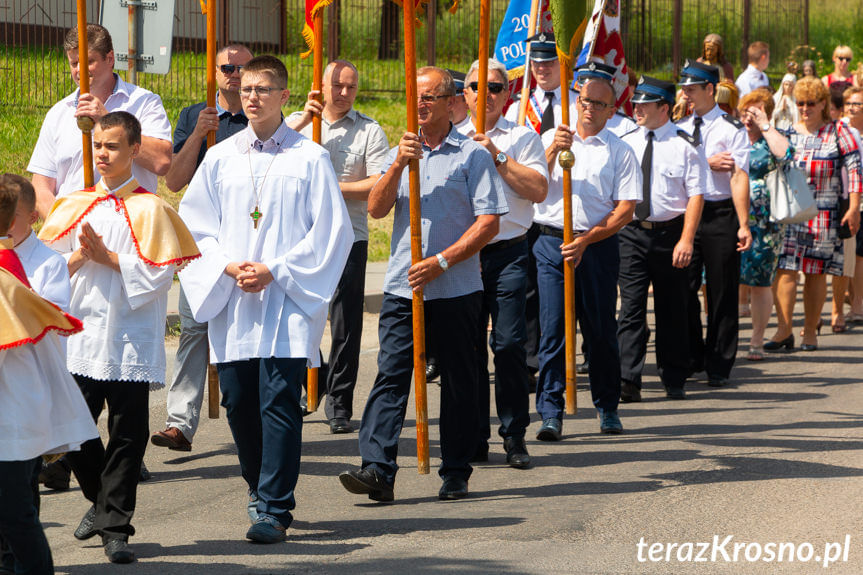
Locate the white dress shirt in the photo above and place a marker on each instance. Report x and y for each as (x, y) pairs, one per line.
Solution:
(678, 170)
(58, 153)
(525, 147)
(46, 271)
(718, 134)
(605, 171)
(751, 79)
(304, 237)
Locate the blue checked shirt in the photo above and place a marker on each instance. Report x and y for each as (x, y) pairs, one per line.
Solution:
(458, 182)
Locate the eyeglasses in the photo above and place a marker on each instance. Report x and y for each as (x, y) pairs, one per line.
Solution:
(431, 98)
(844, 58)
(261, 91)
(801, 104)
(493, 87)
(594, 104)
(854, 105)
(228, 69)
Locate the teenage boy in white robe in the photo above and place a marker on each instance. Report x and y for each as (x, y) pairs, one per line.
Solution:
(123, 245)
(274, 233)
(42, 409)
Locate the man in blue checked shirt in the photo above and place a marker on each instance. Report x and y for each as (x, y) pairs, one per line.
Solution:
(462, 201)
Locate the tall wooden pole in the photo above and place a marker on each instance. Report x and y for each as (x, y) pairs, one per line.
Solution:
(85, 124)
(317, 82)
(418, 309)
(482, 76)
(525, 83)
(210, 12)
(566, 161)
(132, 52)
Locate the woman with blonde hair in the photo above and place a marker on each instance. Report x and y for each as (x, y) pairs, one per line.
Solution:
(727, 96)
(842, 57)
(822, 149)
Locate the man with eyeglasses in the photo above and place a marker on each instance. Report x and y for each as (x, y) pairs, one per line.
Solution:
(724, 229)
(358, 147)
(520, 161)
(267, 213)
(753, 77)
(186, 394)
(56, 163)
(461, 201)
(655, 248)
(606, 185)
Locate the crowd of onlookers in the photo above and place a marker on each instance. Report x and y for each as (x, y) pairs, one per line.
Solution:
(815, 123)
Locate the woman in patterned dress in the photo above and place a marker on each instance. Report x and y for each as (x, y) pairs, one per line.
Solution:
(758, 264)
(822, 149)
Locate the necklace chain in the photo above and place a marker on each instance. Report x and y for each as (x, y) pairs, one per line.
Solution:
(256, 215)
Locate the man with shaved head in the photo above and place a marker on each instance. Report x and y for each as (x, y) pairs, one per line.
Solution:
(358, 148)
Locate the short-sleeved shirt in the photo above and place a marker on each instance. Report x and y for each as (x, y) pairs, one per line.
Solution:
(46, 271)
(678, 170)
(524, 146)
(458, 182)
(720, 134)
(59, 155)
(751, 79)
(229, 124)
(358, 148)
(605, 171)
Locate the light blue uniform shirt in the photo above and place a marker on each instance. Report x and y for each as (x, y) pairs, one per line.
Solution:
(458, 182)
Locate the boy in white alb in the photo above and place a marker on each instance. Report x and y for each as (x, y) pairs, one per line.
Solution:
(274, 233)
(123, 245)
(42, 410)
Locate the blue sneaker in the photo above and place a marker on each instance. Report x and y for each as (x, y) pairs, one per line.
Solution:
(266, 529)
(252, 506)
(609, 422)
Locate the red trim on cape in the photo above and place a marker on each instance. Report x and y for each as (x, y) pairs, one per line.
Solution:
(10, 262)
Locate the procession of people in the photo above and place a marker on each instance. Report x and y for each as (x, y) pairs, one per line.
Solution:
(270, 241)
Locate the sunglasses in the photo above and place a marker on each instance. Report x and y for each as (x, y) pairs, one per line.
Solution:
(228, 69)
(593, 104)
(844, 58)
(807, 104)
(493, 87)
(431, 98)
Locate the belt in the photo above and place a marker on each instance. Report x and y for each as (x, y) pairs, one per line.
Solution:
(646, 225)
(550, 231)
(502, 244)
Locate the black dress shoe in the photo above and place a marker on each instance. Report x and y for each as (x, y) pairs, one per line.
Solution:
(145, 473)
(583, 368)
(85, 527)
(675, 392)
(453, 488)
(118, 551)
(481, 454)
(367, 482)
(629, 392)
(432, 371)
(516, 452)
(717, 381)
(340, 425)
(56, 475)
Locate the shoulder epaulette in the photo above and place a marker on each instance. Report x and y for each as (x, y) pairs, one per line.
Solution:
(733, 121)
(688, 137)
(632, 131)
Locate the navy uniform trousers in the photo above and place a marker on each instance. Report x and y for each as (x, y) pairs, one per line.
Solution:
(504, 278)
(595, 304)
(451, 324)
(716, 250)
(645, 258)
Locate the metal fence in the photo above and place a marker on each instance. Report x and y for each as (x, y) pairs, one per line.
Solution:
(657, 34)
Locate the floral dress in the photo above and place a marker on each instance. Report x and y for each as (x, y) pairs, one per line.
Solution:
(758, 264)
(814, 247)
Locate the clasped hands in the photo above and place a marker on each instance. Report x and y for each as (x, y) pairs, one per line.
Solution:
(251, 277)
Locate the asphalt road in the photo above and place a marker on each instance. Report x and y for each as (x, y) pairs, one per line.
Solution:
(774, 458)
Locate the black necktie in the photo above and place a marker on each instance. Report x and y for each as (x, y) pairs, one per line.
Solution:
(547, 114)
(696, 134)
(642, 210)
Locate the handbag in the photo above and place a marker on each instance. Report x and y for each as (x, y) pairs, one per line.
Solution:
(791, 200)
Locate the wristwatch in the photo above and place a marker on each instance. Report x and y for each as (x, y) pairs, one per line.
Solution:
(764, 127)
(444, 265)
(500, 159)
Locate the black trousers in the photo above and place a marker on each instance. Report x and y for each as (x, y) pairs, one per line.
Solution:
(504, 276)
(715, 251)
(346, 327)
(645, 258)
(25, 546)
(531, 305)
(451, 323)
(108, 474)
